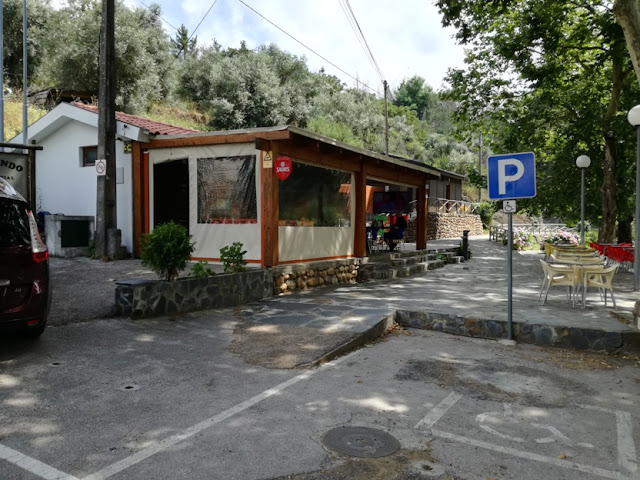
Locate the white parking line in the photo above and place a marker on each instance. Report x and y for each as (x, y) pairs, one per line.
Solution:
(436, 413)
(627, 458)
(32, 465)
(528, 455)
(626, 449)
(199, 427)
(49, 473)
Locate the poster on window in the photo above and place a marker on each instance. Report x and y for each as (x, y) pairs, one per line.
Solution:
(227, 190)
(13, 168)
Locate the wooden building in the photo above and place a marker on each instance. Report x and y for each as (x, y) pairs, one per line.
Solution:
(287, 194)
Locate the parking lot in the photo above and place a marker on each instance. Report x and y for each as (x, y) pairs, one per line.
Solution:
(165, 398)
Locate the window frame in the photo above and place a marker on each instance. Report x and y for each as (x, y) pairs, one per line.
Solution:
(84, 152)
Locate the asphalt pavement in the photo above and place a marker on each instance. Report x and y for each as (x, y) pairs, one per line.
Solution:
(240, 393)
(168, 399)
(280, 331)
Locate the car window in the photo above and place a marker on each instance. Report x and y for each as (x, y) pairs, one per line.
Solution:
(14, 225)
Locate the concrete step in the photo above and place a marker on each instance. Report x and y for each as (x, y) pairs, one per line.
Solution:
(398, 264)
(387, 271)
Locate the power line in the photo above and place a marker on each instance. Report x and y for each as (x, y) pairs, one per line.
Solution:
(355, 26)
(159, 16)
(205, 16)
(307, 47)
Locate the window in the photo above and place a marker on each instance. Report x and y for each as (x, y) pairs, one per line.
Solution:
(14, 224)
(227, 190)
(315, 196)
(89, 156)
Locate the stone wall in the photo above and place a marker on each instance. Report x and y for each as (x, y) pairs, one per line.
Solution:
(152, 298)
(442, 225)
(549, 335)
(303, 276)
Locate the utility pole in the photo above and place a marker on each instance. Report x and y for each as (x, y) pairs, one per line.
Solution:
(107, 238)
(386, 118)
(480, 168)
(1, 76)
(25, 122)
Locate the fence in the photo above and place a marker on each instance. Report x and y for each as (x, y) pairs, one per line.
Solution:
(499, 232)
(444, 205)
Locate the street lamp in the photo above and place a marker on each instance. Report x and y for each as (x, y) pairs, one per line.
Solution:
(582, 162)
(634, 119)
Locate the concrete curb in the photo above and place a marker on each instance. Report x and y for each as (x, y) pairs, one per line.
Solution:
(536, 334)
(369, 335)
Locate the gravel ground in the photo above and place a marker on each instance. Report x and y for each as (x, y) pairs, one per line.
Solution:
(84, 289)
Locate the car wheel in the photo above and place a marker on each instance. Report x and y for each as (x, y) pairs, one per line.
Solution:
(36, 332)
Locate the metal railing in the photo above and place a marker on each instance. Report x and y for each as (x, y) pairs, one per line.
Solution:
(499, 232)
(445, 205)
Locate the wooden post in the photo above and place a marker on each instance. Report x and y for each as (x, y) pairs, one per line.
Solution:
(106, 208)
(421, 227)
(359, 200)
(137, 173)
(270, 211)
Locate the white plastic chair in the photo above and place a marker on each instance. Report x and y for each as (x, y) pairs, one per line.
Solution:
(560, 275)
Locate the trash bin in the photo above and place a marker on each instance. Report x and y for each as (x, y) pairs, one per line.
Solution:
(465, 244)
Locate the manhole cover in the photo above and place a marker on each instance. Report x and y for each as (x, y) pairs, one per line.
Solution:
(360, 442)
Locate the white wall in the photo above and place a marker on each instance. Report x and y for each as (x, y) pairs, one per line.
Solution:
(63, 186)
(311, 243)
(208, 238)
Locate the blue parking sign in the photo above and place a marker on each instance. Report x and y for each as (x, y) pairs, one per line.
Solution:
(511, 175)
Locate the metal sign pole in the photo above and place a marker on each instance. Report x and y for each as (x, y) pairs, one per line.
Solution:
(509, 273)
(509, 177)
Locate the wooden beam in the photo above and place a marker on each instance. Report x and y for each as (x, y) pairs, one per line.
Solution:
(359, 201)
(318, 156)
(421, 227)
(138, 195)
(269, 214)
(263, 144)
(202, 140)
(398, 174)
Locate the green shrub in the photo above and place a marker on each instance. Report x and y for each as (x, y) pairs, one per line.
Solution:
(486, 210)
(166, 250)
(202, 270)
(232, 257)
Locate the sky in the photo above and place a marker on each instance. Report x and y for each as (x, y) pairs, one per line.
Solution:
(406, 37)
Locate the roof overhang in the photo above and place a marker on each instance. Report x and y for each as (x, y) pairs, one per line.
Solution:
(65, 113)
(263, 136)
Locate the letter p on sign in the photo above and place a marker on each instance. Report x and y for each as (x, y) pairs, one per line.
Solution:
(511, 176)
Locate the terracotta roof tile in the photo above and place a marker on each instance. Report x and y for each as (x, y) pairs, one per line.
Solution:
(153, 127)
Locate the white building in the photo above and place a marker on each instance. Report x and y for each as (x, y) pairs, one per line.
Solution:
(65, 168)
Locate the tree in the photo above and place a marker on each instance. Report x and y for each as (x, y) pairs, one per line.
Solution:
(417, 95)
(628, 16)
(143, 53)
(245, 89)
(549, 75)
(37, 13)
(182, 43)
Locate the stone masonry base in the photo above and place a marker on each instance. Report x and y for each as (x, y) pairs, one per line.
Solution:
(544, 335)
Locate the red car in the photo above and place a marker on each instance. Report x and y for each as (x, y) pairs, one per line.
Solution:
(25, 292)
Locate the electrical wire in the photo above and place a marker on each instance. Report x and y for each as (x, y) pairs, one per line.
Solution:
(307, 47)
(355, 26)
(159, 16)
(205, 16)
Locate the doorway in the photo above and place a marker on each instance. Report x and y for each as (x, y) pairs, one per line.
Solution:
(171, 193)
